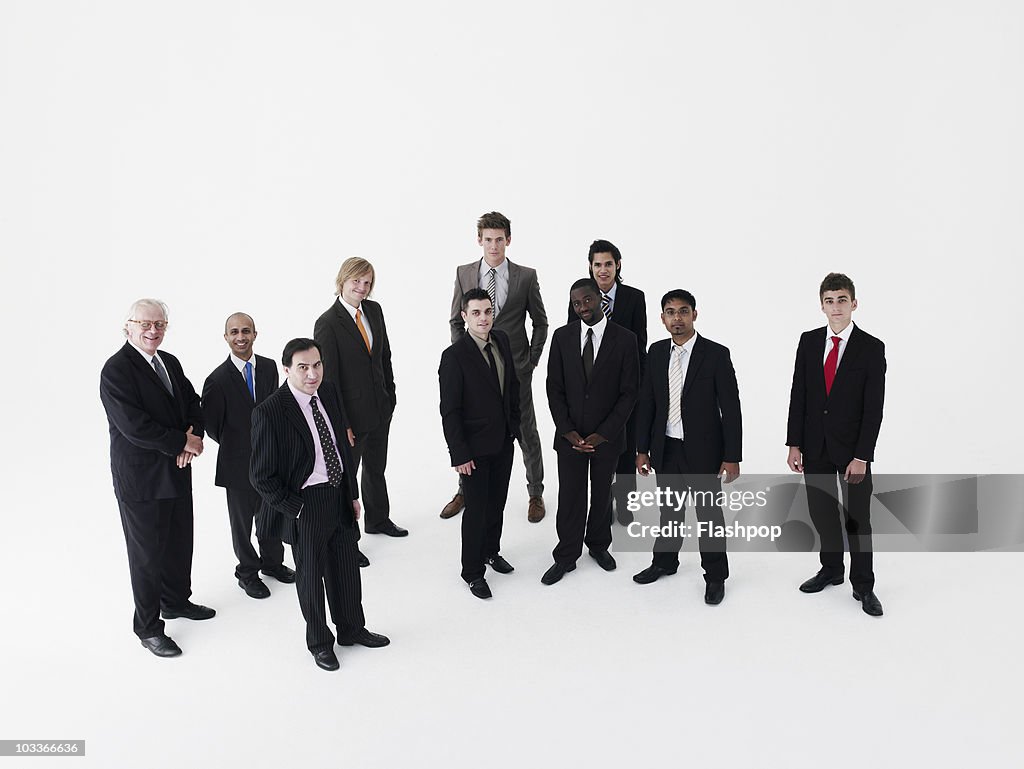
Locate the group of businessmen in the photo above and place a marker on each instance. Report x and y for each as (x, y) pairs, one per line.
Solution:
(289, 454)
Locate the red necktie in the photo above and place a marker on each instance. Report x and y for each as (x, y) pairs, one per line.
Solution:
(831, 362)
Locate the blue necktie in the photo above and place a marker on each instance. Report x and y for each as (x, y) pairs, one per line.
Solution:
(248, 379)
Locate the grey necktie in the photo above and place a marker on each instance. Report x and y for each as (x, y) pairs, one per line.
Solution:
(162, 373)
(675, 385)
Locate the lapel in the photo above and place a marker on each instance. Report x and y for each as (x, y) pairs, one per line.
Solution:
(477, 362)
(148, 372)
(658, 361)
(620, 305)
(469, 276)
(266, 378)
(239, 382)
(293, 414)
(696, 358)
(608, 342)
(514, 277)
(349, 324)
(853, 349)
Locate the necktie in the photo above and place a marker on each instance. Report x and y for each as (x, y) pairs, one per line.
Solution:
(606, 305)
(248, 379)
(675, 385)
(493, 364)
(588, 355)
(831, 363)
(362, 330)
(329, 449)
(162, 373)
(492, 288)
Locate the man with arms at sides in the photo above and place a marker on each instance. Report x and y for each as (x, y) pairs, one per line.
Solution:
(302, 468)
(229, 395)
(480, 417)
(627, 307)
(156, 428)
(514, 293)
(835, 413)
(593, 377)
(357, 357)
(689, 425)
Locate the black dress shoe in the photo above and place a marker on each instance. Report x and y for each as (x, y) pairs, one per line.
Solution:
(365, 638)
(555, 573)
(714, 593)
(651, 574)
(326, 659)
(820, 581)
(623, 516)
(161, 646)
(869, 602)
(389, 528)
(254, 588)
(189, 611)
(604, 559)
(362, 560)
(500, 565)
(480, 588)
(281, 573)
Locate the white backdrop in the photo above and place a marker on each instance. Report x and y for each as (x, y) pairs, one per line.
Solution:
(228, 156)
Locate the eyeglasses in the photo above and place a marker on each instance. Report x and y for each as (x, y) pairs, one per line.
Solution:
(146, 325)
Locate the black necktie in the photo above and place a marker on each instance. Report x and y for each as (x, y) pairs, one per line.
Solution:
(493, 364)
(329, 449)
(588, 355)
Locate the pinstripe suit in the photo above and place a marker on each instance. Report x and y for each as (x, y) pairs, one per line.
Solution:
(317, 521)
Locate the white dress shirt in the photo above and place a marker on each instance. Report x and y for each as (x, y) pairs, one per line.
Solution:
(598, 329)
(844, 335)
(675, 429)
(240, 365)
(500, 282)
(319, 474)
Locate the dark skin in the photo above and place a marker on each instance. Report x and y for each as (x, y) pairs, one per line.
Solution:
(587, 306)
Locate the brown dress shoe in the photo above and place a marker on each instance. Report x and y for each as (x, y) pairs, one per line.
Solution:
(454, 507)
(535, 513)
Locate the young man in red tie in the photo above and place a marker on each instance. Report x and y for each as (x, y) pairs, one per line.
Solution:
(835, 412)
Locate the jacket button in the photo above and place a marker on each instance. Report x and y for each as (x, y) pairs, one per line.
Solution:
(826, 411)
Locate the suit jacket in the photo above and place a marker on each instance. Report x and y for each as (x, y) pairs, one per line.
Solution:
(148, 425)
(523, 297)
(283, 455)
(710, 401)
(603, 405)
(844, 424)
(366, 379)
(227, 411)
(476, 416)
(629, 311)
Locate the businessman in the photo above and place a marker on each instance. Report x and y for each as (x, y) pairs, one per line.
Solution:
(835, 413)
(480, 417)
(627, 307)
(593, 378)
(156, 429)
(303, 469)
(690, 431)
(357, 357)
(514, 293)
(230, 393)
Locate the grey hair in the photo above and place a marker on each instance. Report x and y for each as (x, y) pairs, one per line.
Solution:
(155, 304)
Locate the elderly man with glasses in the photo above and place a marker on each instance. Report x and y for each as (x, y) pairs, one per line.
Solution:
(156, 429)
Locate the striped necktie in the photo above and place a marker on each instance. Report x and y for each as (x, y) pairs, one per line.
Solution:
(675, 386)
(606, 305)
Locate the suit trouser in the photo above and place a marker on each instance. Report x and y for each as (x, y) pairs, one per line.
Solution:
(242, 506)
(713, 558)
(625, 469)
(158, 534)
(486, 491)
(371, 451)
(574, 525)
(826, 510)
(529, 438)
(325, 557)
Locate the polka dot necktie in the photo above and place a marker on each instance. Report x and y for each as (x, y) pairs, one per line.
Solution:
(329, 449)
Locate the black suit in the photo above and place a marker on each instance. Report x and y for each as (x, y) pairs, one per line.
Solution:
(147, 432)
(831, 429)
(317, 521)
(712, 434)
(629, 310)
(600, 406)
(480, 419)
(367, 384)
(227, 411)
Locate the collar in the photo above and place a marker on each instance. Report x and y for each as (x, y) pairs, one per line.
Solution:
(598, 327)
(240, 364)
(350, 308)
(501, 269)
(844, 334)
(301, 397)
(144, 354)
(687, 345)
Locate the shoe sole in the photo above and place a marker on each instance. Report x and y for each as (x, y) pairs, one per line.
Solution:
(838, 581)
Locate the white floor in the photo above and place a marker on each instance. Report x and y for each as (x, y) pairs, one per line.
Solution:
(593, 671)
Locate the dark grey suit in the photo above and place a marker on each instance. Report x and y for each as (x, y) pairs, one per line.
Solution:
(523, 299)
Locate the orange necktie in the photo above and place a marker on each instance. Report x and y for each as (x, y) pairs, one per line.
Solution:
(362, 330)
